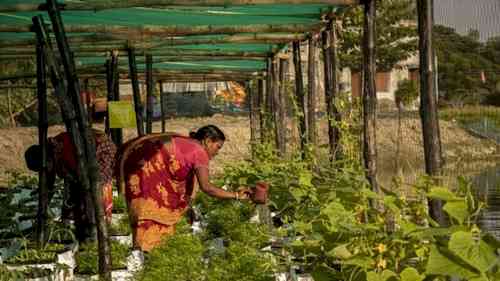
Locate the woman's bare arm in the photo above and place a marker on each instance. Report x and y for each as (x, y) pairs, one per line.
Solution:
(212, 190)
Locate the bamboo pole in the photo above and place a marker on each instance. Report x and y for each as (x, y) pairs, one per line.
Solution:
(99, 5)
(300, 97)
(149, 94)
(283, 67)
(311, 92)
(116, 133)
(88, 142)
(428, 103)
(369, 95)
(9, 107)
(253, 112)
(279, 129)
(43, 125)
(151, 30)
(263, 38)
(331, 89)
(136, 91)
(261, 107)
(162, 106)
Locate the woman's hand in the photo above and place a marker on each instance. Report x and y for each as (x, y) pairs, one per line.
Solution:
(243, 193)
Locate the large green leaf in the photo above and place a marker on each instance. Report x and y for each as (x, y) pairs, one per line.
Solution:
(340, 252)
(411, 274)
(383, 276)
(472, 250)
(363, 262)
(457, 210)
(323, 273)
(442, 193)
(439, 264)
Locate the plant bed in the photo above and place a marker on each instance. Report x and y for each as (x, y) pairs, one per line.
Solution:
(120, 231)
(87, 260)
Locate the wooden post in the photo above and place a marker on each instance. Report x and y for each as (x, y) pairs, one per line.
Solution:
(109, 96)
(43, 124)
(267, 130)
(88, 101)
(136, 91)
(261, 96)
(311, 92)
(88, 141)
(279, 129)
(149, 93)
(283, 67)
(428, 103)
(331, 89)
(116, 134)
(113, 84)
(162, 107)
(253, 112)
(9, 106)
(300, 97)
(369, 95)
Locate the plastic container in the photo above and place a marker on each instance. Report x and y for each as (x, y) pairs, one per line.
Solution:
(260, 193)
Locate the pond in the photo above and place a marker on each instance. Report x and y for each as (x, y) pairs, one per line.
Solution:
(488, 186)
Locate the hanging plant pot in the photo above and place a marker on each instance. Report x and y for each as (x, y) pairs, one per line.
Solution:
(260, 193)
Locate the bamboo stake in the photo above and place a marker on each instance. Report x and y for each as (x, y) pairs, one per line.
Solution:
(428, 103)
(253, 112)
(98, 5)
(162, 106)
(261, 97)
(136, 91)
(43, 124)
(279, 129)
(88, 143)
(300, 97)
(283, 66)
(149, 94)
(369, 95)
(311, 92)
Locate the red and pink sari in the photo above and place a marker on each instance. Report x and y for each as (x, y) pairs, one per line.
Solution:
(65, 163)
(156, 172)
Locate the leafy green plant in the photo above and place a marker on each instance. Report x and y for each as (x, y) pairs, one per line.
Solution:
(122, 227)
(87, 258)
(119, 204)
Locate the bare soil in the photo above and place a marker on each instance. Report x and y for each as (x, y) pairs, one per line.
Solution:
(458, 145)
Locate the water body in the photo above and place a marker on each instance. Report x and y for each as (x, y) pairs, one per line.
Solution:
(488, 186)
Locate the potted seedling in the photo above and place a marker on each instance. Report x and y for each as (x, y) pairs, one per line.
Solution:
(49, 262)
(87, 262)
(120, 231)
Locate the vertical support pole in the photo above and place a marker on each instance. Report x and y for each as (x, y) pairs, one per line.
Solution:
(149, 93)
(260, 107)
(162, 107)
(87, 139)
(300, 96)
(283, 66)
(311, 92)
(113, 83)
(136, 91)
(369, 95)
(9, 106)
(428, 103)
(268, 104)
(253, 112)
(116, 134)
(43, 192)
(88, 101)
(109, 94)
(277, 108)
(329, 37)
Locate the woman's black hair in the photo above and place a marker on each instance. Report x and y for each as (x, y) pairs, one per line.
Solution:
(32, 157)
(211, 132)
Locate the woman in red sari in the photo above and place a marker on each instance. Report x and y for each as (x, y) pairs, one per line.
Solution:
(158, 173)
(62, 163)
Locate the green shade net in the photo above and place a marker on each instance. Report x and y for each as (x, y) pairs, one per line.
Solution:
(138, 17)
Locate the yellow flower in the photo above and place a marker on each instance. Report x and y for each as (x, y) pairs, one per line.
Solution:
(381, 248)
(382, 264)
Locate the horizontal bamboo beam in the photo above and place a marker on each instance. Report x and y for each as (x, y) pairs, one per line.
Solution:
(100, 40)
(103, 5)
(178, 29)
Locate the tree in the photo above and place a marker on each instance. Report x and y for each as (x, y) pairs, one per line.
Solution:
(468, 69)
(396, 34)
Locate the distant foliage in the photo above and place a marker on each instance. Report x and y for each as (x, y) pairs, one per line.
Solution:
(406, 94)
(469, 70)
